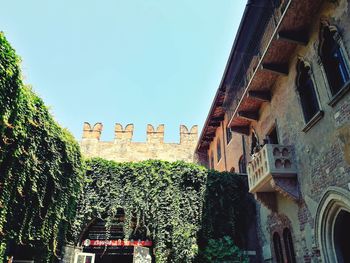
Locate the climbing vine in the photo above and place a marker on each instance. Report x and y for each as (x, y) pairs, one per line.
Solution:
(228, 215)
(40, 168)
(47, 197)
(168, 199)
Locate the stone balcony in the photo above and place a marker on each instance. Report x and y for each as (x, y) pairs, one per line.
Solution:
(273, 170)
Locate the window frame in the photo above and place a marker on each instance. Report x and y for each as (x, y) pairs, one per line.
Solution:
(289, 245)
(335, 94)
(277, 247)
(307, 91)
(309, 121)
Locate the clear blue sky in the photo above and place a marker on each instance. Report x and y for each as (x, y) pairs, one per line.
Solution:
(126, 61)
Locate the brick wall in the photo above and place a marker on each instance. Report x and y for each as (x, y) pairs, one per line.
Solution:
(323, 152)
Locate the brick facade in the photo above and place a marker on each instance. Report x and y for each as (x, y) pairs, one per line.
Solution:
(321, 145)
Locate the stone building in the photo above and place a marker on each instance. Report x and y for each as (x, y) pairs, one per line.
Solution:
(123, 149)
(282, 114)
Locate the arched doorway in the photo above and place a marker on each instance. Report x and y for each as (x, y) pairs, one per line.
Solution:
(341, 236)
(333, 225)
(107, 243)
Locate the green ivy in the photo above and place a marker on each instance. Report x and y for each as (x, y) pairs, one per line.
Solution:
(223, 250)
(180, 206)
(228, 209)
(41, 172)
(172, 201)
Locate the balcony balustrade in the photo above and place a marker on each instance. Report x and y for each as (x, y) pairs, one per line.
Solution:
(273, 170)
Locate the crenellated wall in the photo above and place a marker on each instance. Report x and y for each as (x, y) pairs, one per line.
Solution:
(123, 149)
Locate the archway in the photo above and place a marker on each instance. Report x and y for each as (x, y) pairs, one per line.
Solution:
(333, 225)
(341, 236)
(106, 240)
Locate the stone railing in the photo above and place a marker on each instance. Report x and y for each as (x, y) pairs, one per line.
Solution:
(271, 162)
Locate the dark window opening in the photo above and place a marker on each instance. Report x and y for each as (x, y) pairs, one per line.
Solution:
(333, 60)
(341, 236)
(288, 244)
(254, 147)
(306, 90)
(212, 160)
(242, 165)
(218, 149)
(272, 137)
(278, 248)
(228, 135)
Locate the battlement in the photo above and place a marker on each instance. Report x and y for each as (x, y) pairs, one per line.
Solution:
(92, 132)
(126, 134)
(123, 149)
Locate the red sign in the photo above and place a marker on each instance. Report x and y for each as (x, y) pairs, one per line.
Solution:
(116, 243)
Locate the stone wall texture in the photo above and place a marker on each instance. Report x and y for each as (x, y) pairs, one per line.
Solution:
(322, 152)
(123, 149)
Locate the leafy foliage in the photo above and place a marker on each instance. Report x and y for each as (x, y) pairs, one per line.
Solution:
(180, 206)
(223, 250)
(41, 168)
(164, 197)
(227, 209)
(228, 214)
(169, 201)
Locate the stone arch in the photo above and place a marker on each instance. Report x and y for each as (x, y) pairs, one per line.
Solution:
(333, 201)
(108, 241)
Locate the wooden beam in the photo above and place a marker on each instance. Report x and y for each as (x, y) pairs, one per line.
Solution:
(211, 134)
(214, 124)
(241, 129)
(215, 119)
(207, 139)
(250, 115)
(281, 69)
(260, 95)
(299, 38)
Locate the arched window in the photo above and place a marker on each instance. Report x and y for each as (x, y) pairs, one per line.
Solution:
(306, 90)
(332, 57)
(278, 248)
(218, 149)
(288, 245)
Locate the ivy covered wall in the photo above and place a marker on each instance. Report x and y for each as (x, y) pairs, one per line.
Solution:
(47, 196)
(180, 206)
(40, 168)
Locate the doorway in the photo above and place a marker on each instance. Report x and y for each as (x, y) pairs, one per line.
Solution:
(341, 236)
(333, 225)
